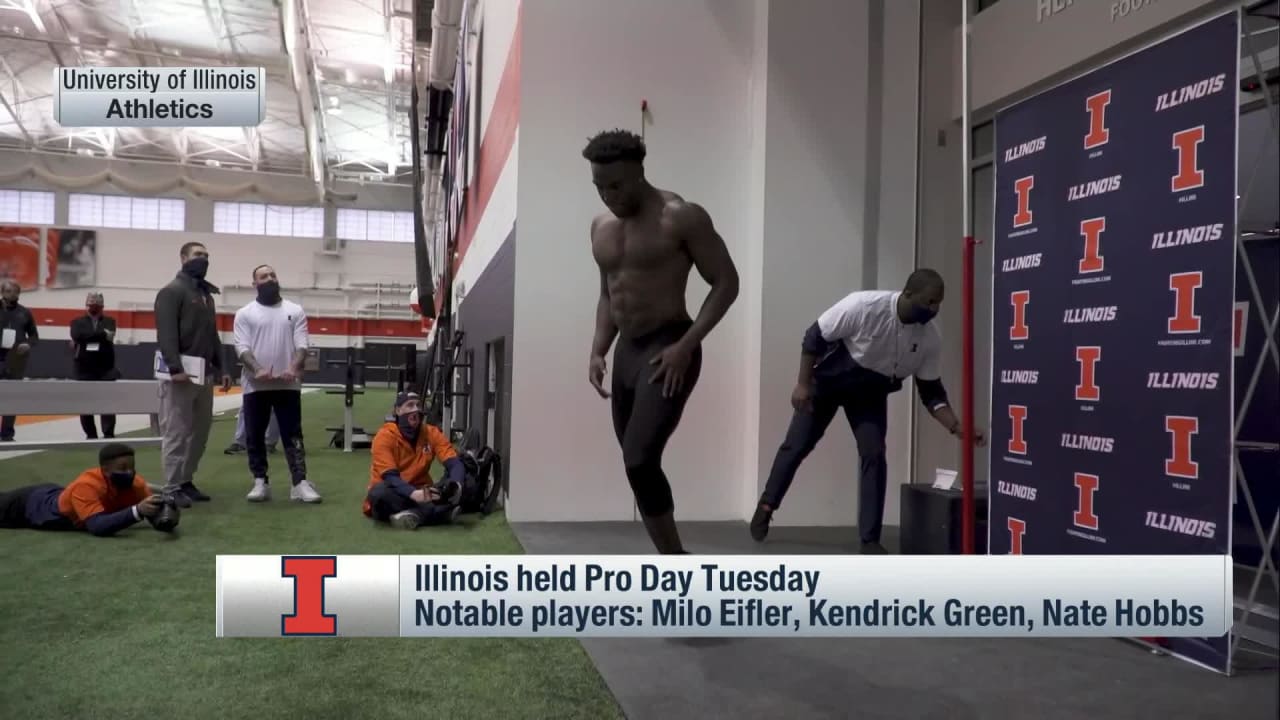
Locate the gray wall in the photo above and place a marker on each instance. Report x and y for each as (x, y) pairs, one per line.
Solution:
(939, 238)
(486, 314)
(1016, 49)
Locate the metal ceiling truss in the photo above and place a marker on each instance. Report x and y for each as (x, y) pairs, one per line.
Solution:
(322, 41)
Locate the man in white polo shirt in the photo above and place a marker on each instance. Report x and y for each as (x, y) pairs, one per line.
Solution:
(271, 342)
(857, 354)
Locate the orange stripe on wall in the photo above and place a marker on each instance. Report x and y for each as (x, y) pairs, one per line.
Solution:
(320, 325)
(495, 149)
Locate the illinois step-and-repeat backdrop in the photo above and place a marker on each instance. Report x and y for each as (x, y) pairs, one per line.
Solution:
(1112, 309)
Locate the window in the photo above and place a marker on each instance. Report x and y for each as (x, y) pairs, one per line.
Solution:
(983, 139)
(376, 225)
(259, 219)
(29, 207)
(132, 213)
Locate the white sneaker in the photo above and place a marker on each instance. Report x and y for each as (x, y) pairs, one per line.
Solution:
(406, 520)
(261, 491)
(304, 492)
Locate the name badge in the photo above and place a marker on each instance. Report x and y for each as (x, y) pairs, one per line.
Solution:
(92, 347)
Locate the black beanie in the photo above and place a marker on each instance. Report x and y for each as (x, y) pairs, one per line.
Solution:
(113, 451)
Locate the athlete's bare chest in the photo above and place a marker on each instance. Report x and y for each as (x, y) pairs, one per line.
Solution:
(619, 245)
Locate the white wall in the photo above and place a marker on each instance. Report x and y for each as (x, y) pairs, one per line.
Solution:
(839, 216)
(815, 180)
(498, 22)
(132, 264)
(586, 65)
(940, 235)
(898, 145)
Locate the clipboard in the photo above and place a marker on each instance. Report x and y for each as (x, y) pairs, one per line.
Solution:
(8, 338)
(193, 366)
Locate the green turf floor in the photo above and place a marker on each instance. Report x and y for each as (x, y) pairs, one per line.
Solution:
(123, 627)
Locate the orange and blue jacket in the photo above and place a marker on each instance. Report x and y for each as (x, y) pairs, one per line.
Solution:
(405, 465)
(90, 502)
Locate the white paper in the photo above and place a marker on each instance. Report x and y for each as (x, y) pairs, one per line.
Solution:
(7, 338)
(944, 479)
(92, 347)
(193, 366)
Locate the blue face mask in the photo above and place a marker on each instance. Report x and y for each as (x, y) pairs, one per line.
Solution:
(122, 480)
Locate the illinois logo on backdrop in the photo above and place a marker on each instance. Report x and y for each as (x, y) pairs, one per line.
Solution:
(1188, 175)
(1098, 134)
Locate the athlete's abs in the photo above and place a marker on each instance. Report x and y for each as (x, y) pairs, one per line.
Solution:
(646, 274)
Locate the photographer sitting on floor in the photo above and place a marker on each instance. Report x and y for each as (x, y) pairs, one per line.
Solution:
(103, 500)
(400, 488)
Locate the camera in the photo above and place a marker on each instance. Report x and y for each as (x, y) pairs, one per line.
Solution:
(167, 519)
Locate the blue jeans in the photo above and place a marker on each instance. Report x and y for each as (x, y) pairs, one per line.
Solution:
(386, 502)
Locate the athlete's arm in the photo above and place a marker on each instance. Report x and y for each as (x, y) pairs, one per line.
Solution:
(711, 257)
(606, 329)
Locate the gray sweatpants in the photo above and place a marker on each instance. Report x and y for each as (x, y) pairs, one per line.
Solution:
(186, 414)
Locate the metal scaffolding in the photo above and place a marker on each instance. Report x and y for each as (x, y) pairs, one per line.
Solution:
(1251, 607)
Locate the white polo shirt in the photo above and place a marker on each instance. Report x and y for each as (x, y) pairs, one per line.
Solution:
(273, 333)
(867, 323)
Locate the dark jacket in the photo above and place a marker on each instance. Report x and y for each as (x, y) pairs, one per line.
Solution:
(98, 363)
(187, 324)
(21, 322)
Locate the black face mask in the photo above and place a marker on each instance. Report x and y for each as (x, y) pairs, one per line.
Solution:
(123, 480)
(407, 429)
(196, 267)
(269, 292)
(919, 314)
(10, 303)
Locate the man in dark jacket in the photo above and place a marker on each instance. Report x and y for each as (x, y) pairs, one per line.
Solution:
(188, 363)
(93, 341)
(17, 334)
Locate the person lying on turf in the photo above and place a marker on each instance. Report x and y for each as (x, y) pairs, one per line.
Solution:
(102, 500)
(401, 491)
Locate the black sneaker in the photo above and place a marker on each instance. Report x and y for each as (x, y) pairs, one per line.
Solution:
(193, 492)
(234, 449)
(873, 548)
(760, 522)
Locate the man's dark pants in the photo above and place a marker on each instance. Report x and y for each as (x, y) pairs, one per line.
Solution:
(258, 407)
(86, 421)
(865, 406)
(386, 502)
(8, 423)
(15, 506)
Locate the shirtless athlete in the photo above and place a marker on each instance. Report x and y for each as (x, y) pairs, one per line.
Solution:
(646, 246)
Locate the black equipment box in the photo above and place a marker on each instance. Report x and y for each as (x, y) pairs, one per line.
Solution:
(931, 520)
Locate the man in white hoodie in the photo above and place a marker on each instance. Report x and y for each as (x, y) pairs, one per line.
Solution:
(271, 341)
